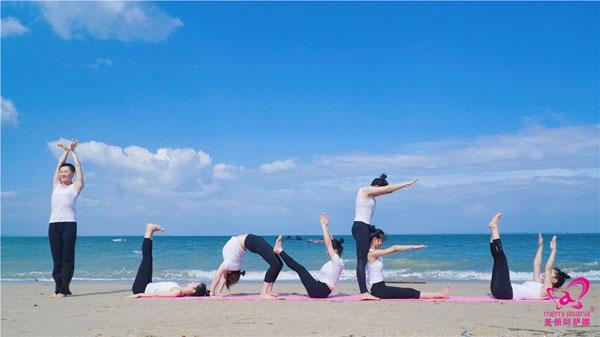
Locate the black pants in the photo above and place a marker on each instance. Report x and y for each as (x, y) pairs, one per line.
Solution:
(380, 290)
(360, 232)
(500, 285)
(62, 236)
(314, 288)
(144, 273)
(258, 245)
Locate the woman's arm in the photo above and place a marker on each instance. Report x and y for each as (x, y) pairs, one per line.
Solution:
(327, 235)
(78, 171)
(549, 266)
(61, 161)
(393, 249)
(216, 279)
(537, 261)
(375, 191)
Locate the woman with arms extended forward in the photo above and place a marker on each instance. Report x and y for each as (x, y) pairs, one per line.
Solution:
(362, 228)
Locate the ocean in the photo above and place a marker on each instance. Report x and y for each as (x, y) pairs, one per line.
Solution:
(182, 258)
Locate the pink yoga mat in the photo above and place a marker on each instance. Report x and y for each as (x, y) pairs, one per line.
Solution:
(346, 298)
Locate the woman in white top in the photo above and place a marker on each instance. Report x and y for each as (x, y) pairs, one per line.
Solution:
(230, 270)
(362, 228)
(62, 229)
(143, 285)
(500, 284)
(375, 267)
(331, 271)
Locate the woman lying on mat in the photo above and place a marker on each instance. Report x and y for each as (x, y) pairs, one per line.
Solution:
(331, 271)
(143, 285)
(537, 288)
(375, 272)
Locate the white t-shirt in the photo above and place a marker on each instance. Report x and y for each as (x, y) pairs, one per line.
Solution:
(233, 253)
(375, 271)
(365, 207)
(159, 288)
(331, 271)
(528, 290)
(63, 203)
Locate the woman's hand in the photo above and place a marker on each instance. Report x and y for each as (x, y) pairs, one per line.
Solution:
(73, 144)
(540, 240)
(553, 243)
(63, 146)
(419, 247)
(324, 219)
(412, 182)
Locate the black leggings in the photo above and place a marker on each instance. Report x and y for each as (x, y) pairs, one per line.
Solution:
(500, 285)
(62, 236)
(144, 273)
(258, 245)
(380, 290)
(314, 288)
(360, 232)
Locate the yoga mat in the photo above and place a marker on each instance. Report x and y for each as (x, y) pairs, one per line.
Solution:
(347, 298)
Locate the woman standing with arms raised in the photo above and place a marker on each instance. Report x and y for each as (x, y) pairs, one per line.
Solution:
(362, 228)
(62, 230)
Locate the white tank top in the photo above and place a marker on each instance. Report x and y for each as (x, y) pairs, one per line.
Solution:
(233, 253)
(331, 271)
(63, 204)
(375, 271)
(365, 207)
(529, 290)
(158, 288)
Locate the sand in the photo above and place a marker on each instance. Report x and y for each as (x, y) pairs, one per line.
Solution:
(101, 309)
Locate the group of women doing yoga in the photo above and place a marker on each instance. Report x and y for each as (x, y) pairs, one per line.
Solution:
(369, 252)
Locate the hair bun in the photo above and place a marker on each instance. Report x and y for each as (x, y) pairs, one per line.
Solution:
(341, 240)
(383, 176)
(567, 276)
(243, 273)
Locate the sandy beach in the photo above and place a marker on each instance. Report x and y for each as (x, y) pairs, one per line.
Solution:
(101, 309)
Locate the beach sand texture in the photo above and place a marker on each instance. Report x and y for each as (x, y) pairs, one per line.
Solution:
(100, 309)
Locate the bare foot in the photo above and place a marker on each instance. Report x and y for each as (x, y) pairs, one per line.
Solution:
(368, 297)
(278, 247)
(59, 295)
(494, 222)
(446, 291)
(52, 296)
(269, 297)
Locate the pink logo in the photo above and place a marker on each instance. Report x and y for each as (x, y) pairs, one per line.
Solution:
(563, 297)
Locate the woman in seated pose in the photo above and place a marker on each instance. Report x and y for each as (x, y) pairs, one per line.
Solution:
(537, 288)
(143, 285)
(230, 270)
(331, 271)
(375, 272)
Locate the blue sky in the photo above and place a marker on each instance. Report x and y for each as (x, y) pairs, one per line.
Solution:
(222, 118)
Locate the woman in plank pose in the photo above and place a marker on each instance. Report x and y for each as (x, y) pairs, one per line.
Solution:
(375, 269)
(331, 271)
(501, 286)
(362, 228)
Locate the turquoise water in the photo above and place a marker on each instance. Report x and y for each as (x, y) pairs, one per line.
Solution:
(447, 257)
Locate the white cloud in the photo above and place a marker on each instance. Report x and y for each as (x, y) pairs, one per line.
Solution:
(10, 115)
(166, 168)
(125, 21)
(8, 194)
(100, 62)
(278, 165)
(11, 26)
(226, 172)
